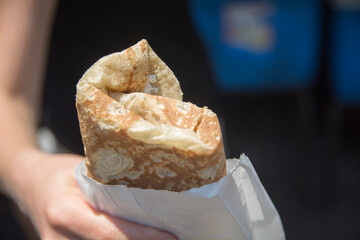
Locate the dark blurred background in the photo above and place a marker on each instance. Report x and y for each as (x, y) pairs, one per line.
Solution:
(283, 77)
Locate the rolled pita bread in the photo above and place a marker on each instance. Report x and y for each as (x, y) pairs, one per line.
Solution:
(138, 132)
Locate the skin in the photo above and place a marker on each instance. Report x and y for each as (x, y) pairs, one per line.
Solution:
(42, 185)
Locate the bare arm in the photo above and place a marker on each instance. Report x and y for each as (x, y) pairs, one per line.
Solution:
(24, 30)
(42, 185)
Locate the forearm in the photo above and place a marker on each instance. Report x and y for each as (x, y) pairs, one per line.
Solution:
(24, 31)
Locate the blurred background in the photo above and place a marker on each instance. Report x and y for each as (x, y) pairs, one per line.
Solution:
(283, 77)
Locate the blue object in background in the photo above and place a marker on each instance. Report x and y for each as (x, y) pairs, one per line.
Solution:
(260, 45)
(345, 56)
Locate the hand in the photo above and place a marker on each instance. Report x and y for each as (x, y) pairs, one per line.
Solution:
(51, 197)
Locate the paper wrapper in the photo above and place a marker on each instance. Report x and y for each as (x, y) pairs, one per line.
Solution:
(236, 207)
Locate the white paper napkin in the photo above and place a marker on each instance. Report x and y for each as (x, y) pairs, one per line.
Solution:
(236, 207)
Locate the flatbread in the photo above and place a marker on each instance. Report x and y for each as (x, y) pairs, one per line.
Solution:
(136, 129)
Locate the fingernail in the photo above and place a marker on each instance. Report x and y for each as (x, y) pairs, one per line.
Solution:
(166, 236)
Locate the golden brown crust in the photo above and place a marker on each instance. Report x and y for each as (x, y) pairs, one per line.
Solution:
(142, 140)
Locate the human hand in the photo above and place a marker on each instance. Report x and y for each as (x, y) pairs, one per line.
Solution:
(51, 197)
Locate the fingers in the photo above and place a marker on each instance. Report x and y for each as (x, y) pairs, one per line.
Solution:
(77, 219)
(64, 214)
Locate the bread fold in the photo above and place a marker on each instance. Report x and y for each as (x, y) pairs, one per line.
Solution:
(136, 129)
